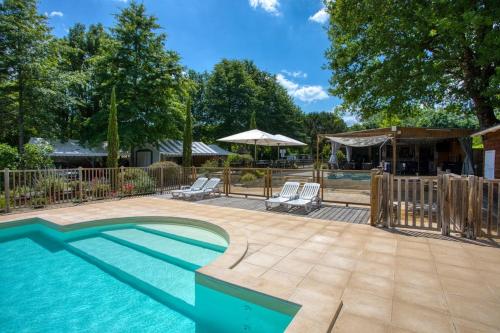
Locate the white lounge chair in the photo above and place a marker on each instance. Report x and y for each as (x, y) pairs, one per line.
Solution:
(288, 192)
(308, 197)
(210, 187)
(197, 185)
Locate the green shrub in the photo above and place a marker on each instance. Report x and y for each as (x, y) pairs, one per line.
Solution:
(171, 171)
(237, 159)
(340, 157)
(38, 201)
(9, 158)
(50, 184)
(36, 157)
(248, 177)
(246, 159)
(137, 181)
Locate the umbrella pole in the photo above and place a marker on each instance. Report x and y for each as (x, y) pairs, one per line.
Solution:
(255, 153)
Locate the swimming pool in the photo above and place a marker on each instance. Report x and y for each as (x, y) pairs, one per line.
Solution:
(349, 175)
(127, 277)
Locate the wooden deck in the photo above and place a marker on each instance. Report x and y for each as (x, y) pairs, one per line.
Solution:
(360, 215)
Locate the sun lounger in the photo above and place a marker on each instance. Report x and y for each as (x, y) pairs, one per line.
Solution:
(308, 197)
(197, 185)
(210, 187)
(288, 192)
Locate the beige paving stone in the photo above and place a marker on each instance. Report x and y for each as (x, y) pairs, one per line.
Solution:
(377, 269)
(337, 261)
(468, 289)
(376, 285)
(420, 319)
(333, 276)
(293, 266)
(263, 259)
(365, 304)
(320, 288)
(350, 323)
(276, 249)
(314, 246)
(457, 272)
(285, 279)
(475, 310)
(410, 277)
(250, 269)
(420, 296)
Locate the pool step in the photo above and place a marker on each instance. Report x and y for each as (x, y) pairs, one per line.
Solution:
(166, 282)
(187, 234)
(182, 254)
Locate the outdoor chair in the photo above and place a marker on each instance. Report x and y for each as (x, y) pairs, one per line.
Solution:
(197, 185)
(210, 188)
(308, 198)
(288, 192)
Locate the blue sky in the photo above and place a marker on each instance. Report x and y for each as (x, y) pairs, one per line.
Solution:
(284, 37)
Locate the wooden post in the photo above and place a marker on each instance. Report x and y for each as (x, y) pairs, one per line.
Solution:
(322, 179)
(317, 150)
(445, 224)
(6, 185)
(394, 156)
(80, 184)
(374, 199)
(161, 180)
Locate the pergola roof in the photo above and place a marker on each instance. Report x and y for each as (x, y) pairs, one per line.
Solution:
(488, 130)
(406, 133)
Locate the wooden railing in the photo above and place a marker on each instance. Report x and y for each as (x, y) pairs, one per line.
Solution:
(467, 205)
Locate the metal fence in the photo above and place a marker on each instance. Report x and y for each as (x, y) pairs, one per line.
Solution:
(27, 189)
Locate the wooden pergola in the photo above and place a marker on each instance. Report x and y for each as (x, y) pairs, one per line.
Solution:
(396, 133)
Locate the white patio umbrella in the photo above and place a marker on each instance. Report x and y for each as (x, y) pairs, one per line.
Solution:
(288, 142)
(253, 137)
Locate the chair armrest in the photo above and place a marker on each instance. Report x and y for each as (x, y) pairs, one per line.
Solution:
(185, 187)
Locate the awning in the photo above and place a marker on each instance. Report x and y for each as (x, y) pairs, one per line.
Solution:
(360, 141)
(173, 148)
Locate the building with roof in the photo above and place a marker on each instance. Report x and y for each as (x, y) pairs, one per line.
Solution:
(171, 150)
(404, 150)
(491, 145)
(72, 153)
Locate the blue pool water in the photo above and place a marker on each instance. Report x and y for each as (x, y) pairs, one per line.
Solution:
(126, 278)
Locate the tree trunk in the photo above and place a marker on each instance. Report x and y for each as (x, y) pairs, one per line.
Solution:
(20, 115)
(476, 81)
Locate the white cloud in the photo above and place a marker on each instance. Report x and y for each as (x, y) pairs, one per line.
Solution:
(56, 13)
(298, 74)
(321, 16)
(303, 93)
(270, 6)
(350, 119)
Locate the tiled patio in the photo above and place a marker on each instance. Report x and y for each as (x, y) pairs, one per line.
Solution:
(387, 281)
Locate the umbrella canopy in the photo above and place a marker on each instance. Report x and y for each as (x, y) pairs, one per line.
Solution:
(288, 141)
(253, 137)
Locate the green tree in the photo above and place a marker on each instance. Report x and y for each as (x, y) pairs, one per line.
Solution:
(253, 121)
(235, 89)
(9, 157)
(394, 56)
(187, 141)
(36, 157)
(322, 123)
(113, 137)
(24, 49)
(148, 77)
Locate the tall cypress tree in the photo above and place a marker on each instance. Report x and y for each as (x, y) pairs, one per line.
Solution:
(187, 142)
(113, 137)
(253, 121)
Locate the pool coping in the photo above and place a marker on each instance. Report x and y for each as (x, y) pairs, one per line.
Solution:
(221, 269)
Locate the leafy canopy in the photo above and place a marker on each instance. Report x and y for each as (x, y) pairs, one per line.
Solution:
(399, 56)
